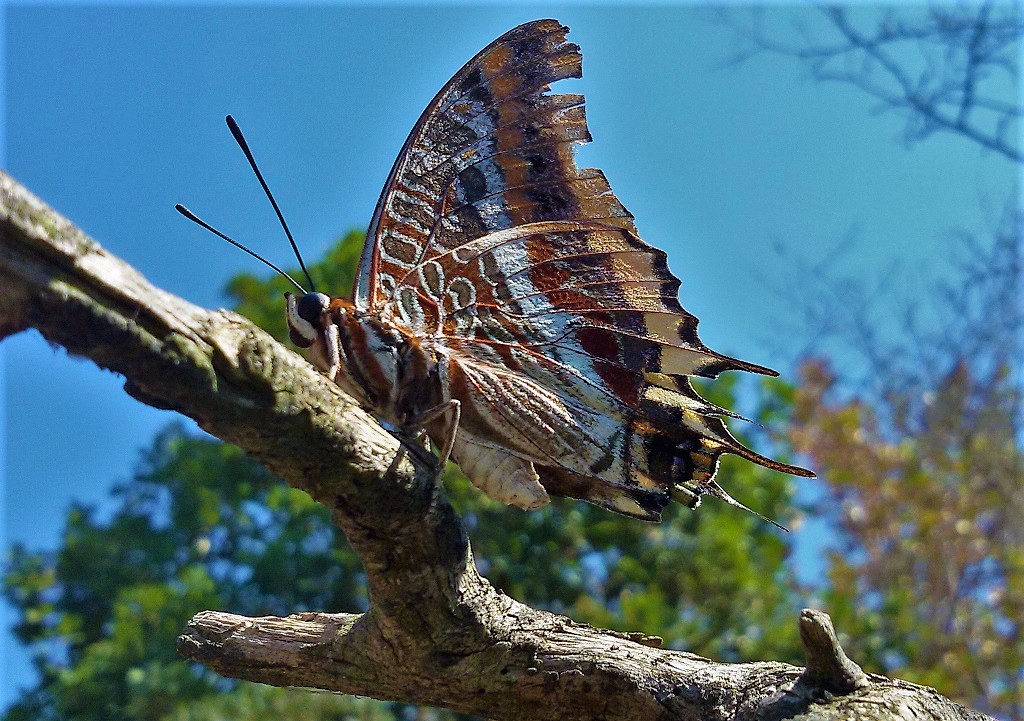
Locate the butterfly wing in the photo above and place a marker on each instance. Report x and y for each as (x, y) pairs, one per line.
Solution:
(567, 341)
(492, 151)
(586, 317)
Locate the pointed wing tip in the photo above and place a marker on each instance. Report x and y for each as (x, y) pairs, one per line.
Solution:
(770, 463)
(713, 489)
(722, 363)
(754, 368)
(782, 467)
(727, 443)
(769, 520)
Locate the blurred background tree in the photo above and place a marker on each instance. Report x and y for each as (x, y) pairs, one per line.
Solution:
(914, 419)
(923, 476)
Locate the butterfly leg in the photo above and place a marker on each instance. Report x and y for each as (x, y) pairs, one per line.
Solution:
(452, 409)
(393, 468)
(333, 348)
(414, 446)
(408, 446)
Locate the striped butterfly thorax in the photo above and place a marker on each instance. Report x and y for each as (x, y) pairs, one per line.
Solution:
(506, 306)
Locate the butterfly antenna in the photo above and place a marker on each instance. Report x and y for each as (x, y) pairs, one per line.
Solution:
(199, 221)
(240, 139)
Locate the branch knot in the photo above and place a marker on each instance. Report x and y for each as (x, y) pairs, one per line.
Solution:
(828, 667)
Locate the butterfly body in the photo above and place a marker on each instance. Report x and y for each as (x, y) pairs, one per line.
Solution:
(506, 305)
(414, 383)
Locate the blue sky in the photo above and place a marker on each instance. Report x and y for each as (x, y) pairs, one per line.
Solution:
(114, 114)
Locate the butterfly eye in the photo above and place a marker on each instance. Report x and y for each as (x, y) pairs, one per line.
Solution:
(311, 306)
(304, 332)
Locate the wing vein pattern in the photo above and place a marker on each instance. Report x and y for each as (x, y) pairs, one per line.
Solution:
(565, 339)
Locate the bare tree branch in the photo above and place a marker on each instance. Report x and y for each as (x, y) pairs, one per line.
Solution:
(437, 633)
(949, 68)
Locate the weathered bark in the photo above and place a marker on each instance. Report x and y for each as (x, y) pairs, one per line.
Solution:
(437, 633)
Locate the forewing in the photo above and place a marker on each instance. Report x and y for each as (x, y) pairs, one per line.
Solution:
(492, 151)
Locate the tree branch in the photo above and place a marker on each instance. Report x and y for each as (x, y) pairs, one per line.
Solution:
(968, 53)
(437, 633)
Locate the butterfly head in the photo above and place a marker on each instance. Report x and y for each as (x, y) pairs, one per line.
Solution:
(304, 317)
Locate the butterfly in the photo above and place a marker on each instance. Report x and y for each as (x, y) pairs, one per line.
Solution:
(506, 306)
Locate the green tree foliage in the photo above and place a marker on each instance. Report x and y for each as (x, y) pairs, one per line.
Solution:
(200, 526)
